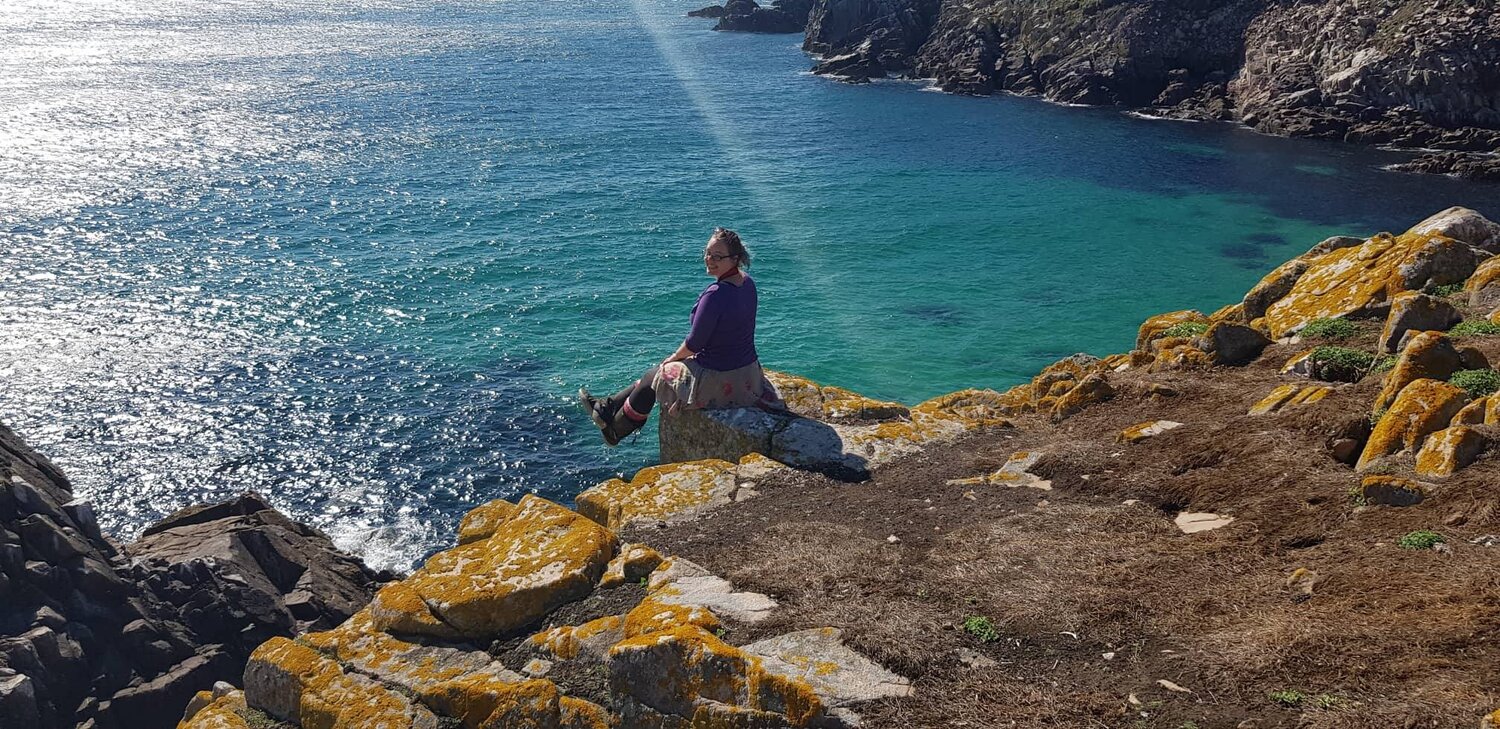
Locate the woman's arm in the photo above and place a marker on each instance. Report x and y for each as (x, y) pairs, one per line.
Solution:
(682, 353)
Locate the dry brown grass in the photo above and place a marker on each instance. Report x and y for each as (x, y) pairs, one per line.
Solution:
(1389, 637)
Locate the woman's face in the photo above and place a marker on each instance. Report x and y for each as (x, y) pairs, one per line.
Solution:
(716, 258)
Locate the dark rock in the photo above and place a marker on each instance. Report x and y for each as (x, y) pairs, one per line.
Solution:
(159, 702)
(712, 11)
(785, 16)
(1472, 166)
(87, 639)
(18, 705)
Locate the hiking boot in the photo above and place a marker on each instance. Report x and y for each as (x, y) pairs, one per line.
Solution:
(609, 415)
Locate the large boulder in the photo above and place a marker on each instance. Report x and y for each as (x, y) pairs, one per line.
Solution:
(1362, 280)
(1483, 287)
(1416, 311)
(1423, 407)
(1463, 224)
(544, 555)
(1449, 450)
(1429, 355)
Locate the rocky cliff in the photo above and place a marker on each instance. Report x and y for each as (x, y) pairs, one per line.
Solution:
(1279, 514)
(1407, 73)
(96, 635)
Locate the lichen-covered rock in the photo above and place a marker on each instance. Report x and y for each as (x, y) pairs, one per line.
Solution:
(825, 402)
(836, 673)
(1449, 450)
(594, 638)
(1416, 311)
(359, 646)
(1289, 396)
(1272, 288)
(1231, 344)
(1423, 407)
(1230, 314)
(1473, 413)
(1385, 490)
(660, 492)
(543, 556)
(217, 709)
(1090, 390)
(1181, 357)
(634, 562)
(1491, 720)
(1363, 279)
(482, 521)
(1150, 429)
(675, 672)
(1156, 327)
(487, 703)
(683, 583)
(1483, 287)
(295, 683)
(1463, 224)
(1429, 355)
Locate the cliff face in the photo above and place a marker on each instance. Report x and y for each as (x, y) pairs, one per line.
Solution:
(1404, 72)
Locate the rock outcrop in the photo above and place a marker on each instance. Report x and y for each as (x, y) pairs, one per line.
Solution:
(1390, 72)
(421, 655)
(94, 635)
(783, 16)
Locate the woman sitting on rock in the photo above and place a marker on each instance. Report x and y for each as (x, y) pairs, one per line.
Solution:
(716, 366)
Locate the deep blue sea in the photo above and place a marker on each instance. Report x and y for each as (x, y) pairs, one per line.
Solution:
(358, 256)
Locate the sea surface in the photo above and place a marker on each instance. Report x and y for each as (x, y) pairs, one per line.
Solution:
(358, 256)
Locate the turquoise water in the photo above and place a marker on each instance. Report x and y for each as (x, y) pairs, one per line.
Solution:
(359, 258)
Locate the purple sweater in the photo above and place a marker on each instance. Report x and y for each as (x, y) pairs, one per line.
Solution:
(723, 331)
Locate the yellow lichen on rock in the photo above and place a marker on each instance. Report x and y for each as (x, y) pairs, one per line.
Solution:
(973, 407)
(580, 714)
(1271, 288)
(677, 672)
(1091, 390)
(207, 712)
(1473, 413)
(1362, 279)
(1449, 450)
(400, 609)
(565, 641)
(1181, 357)
(482, 521)
(1483, 287)
(1423, 407)
(1153, 328)
(653, 615)
(811, 399)
(1490, 721)
(1149, 429)
(1229, 314)
(1288, 396)
(543, 556)
(635, 561)
(1385, 490)
(484, 702)
(1427, 355)
(1273, 401)
(659, 492)
(296, 683)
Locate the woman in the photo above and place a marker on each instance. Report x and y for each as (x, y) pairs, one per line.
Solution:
(716, 366)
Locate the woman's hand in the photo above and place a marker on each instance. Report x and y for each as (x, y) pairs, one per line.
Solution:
(682, 353)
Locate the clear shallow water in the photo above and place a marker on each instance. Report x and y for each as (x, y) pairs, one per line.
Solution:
(359, 258)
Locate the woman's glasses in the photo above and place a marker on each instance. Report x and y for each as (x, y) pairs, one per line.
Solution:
(714, 256)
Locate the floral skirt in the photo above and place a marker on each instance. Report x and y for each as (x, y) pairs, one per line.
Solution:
(689, 385)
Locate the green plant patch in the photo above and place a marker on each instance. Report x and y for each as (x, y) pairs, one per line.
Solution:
(1384, 363)
(1421, 539)
(1473, 328)
(1288, 697)
(1340, 364)
(1185, 329)
(1478, 383)
(1326, 328)
(1446, 289)
(982, 628)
